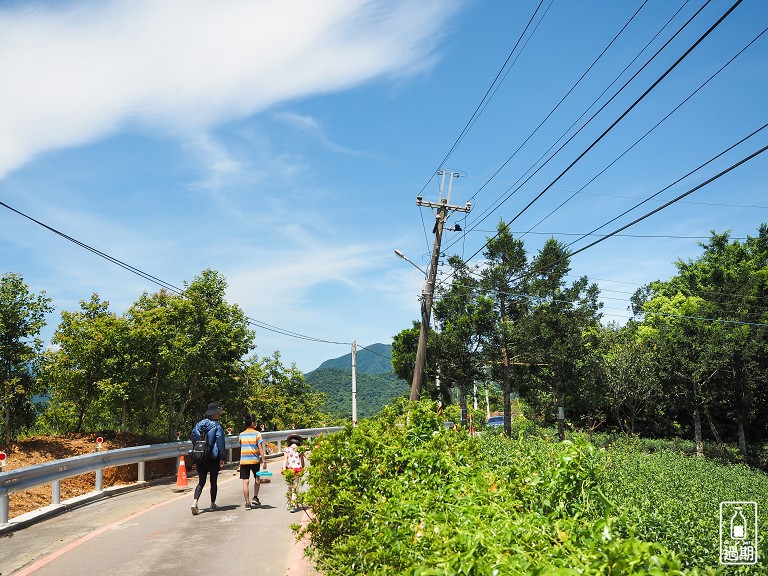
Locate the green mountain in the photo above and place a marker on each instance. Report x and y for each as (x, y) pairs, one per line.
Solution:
(373, 359)
(377, 384)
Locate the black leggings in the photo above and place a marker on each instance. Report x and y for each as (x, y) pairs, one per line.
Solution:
(203, 468)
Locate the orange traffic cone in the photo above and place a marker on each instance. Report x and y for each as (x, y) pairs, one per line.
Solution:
(181, 476)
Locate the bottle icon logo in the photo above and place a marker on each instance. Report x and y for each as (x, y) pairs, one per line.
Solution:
(738, 533)
(738, 525)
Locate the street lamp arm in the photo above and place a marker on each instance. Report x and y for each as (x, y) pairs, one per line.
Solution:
(404, 257)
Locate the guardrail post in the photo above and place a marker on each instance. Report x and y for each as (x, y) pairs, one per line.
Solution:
(53, 472)
(3, 506)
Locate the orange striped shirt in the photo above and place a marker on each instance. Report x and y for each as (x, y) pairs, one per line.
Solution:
(250, 439)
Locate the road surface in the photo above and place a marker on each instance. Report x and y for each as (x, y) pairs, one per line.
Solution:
(152, 531)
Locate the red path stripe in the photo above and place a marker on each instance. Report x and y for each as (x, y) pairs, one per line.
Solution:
(72, 545)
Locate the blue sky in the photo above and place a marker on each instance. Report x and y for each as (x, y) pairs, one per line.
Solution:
(284, 144)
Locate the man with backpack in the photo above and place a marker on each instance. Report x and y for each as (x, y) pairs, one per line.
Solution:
(212, 432)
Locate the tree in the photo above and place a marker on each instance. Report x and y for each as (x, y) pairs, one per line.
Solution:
(279, 396)
(504, 280)
(150, 351)
(684, 349)
(82, 371)
(404, 345)
(22, 316)
(466, 322)
(710, 319)
(562, 323)
(631, 374)
(209, 339)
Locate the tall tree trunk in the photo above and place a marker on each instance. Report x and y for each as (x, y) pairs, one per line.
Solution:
(742, 436)
(712, 427)
(7, 421)
(505, 384)
(715, 433)
(463, 402)
(697, 431)
(617, 413)
(6, 402)
(740, 410)
(560, 411)
(80, 417)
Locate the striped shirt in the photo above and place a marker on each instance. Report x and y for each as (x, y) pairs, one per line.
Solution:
(250, 439)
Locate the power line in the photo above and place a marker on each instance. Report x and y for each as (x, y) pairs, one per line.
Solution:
(645, 135)
(721, 320)
(621, 117)
(542, 299)
(585, 234)
(488, 95)
(678, 180)
(99, 253)
(162, 283)
(499, 201)
(572, 88)
(713, 204)
(691, 191)
(648, 132)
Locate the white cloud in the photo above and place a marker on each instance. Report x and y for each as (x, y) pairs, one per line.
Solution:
(310, 126)
(78, 73)
(219, 164)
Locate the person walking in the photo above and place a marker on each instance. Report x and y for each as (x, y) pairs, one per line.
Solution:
(252, 459)
(210, 428)
(293, 464)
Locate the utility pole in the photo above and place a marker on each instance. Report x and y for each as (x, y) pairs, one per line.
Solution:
(354, 383)
(441, 210)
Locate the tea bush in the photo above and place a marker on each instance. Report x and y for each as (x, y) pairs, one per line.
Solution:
(667, 497)
(400, 494)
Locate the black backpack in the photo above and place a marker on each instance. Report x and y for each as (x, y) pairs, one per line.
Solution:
(201, 449)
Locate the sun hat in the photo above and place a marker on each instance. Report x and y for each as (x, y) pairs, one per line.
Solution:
(213, 408)
(295, 438)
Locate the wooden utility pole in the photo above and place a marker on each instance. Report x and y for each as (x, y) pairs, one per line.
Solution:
(441, 210)
(354, 383)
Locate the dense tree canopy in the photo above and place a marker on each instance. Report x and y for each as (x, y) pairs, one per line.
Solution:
(22, 316)
(154, 369)
(692, 362)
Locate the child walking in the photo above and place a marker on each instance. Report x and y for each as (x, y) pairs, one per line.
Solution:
(252, 459)
(293, 464)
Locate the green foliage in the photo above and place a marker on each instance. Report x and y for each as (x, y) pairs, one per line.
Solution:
(278, 395)
(374, 391)
(154, 369)
(668, 497)
(373, 359)
(84, 374)
(22, 316)
(705, 327)
(400, 494)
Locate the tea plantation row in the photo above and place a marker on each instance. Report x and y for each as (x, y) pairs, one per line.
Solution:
(402, 495)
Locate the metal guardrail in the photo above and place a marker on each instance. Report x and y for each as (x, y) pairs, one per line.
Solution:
(55, 471)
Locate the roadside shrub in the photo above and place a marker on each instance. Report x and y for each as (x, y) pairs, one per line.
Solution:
(400, 494)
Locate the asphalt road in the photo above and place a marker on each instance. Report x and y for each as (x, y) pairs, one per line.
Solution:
(152, 531)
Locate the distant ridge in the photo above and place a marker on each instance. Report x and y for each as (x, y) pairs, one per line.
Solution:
(377, 384)
(373, 359)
